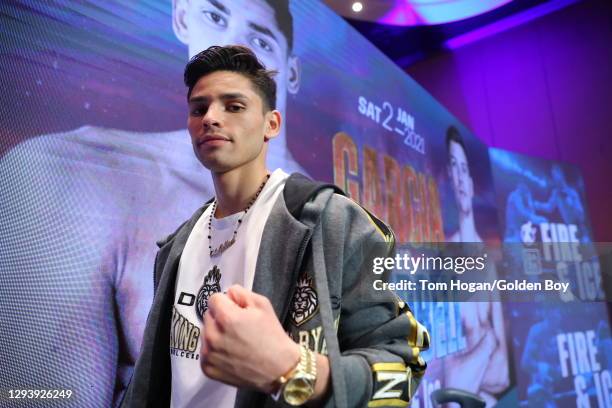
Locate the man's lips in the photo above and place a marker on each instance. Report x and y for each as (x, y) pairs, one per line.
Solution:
(212, 140)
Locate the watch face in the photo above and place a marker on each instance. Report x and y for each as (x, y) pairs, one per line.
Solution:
(297, 391)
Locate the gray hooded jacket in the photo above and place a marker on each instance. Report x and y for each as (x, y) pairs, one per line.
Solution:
(315, 267)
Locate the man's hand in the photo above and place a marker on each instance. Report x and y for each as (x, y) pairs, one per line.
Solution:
(243, 343)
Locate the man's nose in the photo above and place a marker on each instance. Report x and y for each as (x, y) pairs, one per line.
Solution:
(212, 117)
(460, 180)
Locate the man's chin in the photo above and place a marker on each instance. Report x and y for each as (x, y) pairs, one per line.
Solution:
(218, 163)
(214, 165)
(217, 167)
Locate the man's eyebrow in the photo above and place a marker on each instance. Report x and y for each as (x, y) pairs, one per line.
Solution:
(234, 95)
(263, 30)
(198, 99)
(220, 6)
(224, 97)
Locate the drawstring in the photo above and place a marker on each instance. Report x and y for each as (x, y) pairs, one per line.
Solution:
(327, 319)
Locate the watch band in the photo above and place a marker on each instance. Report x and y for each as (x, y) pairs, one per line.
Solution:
(297, 386)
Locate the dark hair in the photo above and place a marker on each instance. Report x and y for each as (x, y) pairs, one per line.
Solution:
(234, 58)
(453, 135)
(284, 19)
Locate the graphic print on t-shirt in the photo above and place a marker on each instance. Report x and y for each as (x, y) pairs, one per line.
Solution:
(210, 286)
(184, 336)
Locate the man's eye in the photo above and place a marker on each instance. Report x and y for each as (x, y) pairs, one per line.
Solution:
(262, 44)
(215, 18)
(196, 112)
(234, 108)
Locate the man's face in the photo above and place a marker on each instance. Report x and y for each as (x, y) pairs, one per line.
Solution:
(227, 123)
(459, 172)
(203, 23)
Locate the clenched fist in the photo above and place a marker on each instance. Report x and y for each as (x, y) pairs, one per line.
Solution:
(243, 343)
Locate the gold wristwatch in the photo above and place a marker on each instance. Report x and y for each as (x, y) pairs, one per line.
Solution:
(298, 385)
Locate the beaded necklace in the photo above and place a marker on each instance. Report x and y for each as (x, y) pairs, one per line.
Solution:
(221, 248)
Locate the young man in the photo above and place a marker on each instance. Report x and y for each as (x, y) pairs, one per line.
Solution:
(87, 205)
(482, 367)
(463, 187)
(262, 295)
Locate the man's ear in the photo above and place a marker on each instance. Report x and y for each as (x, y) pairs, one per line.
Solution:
(273, 125)
(294, 74)
(179, 20)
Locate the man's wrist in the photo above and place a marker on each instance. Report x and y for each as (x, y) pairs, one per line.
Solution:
(286, 371)
(298, 385)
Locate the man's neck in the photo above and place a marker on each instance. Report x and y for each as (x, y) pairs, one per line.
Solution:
(278, 146)
(236, 188)
(279, 156)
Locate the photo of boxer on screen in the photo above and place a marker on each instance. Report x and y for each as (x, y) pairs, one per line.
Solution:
(482, 367)
(463, 187)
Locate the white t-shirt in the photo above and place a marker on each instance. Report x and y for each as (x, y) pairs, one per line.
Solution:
(199, 276)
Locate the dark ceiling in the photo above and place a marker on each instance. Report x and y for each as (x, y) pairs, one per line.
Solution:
(408, 44)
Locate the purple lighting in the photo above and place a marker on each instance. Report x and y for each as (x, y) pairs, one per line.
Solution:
(507, 23)
(400, 14)
(430, 12)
